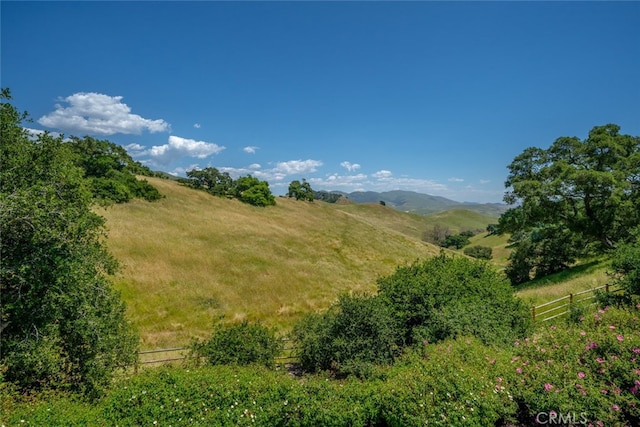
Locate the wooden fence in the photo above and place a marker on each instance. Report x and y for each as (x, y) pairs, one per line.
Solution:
(167, 355)
(562, 306)
(541, 313)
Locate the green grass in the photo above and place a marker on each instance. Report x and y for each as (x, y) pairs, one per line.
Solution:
(586, 275)
(190, 258)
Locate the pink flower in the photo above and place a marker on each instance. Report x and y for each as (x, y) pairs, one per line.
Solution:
(548, 387)
(519, 370)
(600, 360)
(620, 338)
(636, 350)
(611, 327)
(604, 391)
(583, 333)
(615, 407)
(591, 345)
(581, 375)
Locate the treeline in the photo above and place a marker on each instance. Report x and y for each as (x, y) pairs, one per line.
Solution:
(247, 189)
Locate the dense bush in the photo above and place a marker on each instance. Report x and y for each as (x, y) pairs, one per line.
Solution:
(480, 252)
(240, 344)
(62, 324)
(451, 296)
(354, 334)
(589, 370)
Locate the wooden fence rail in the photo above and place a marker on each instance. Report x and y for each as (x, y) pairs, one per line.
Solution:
(562, 306)
(540, 313)
(178, 353)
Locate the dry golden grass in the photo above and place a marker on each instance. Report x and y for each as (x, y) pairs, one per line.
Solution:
(191, 257)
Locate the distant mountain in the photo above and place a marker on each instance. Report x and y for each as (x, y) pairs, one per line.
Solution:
(423, 204)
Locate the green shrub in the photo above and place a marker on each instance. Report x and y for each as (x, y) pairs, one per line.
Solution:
(480, 252)
(240, 344)
(588, 370)
(353, 335)
(450, 296)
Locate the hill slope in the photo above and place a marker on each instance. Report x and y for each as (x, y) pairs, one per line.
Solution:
(424, 204)
(192, 257)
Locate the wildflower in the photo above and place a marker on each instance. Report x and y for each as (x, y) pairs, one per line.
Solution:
(581, 375)
(612, 327)
(620, 338)
(615, 407)
(636, 350)
(519, 370)
(583, 333)
(548, 387)
(599, 360)
(604, 391)
(591, 345)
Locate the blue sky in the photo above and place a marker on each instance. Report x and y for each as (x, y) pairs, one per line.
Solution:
(434, 97)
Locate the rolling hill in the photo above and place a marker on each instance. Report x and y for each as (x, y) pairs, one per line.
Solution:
(423, 204)
(190, 258)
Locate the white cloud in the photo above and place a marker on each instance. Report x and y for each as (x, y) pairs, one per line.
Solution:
(197, 125)
(484, 181)
(250, 149)
(294, 167)
(382, 174)
(277, 173)
(99, 114)
(350, 166)
(453, 179)
(178, 147)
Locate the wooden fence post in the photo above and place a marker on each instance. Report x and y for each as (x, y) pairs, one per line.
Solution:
(533, 313)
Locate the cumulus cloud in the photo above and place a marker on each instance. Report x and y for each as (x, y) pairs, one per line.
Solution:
(382, 174)
(197, 125)
(99, 114)
(280, 171)
(178, 147)
(250, 149)
(350, 166)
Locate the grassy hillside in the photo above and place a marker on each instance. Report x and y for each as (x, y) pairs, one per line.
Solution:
(192, 257)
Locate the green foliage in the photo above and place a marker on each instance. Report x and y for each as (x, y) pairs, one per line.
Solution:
(480, 252)
(111, 171)
(240, 344)
(626, 268)
(456, 382)
(589, 369)
(300, 191)
(62, 325)
(457, 241)
(574, 197)
(211, 180)
(353, 335)
(251, 190)
(247, 189)
(451, 296)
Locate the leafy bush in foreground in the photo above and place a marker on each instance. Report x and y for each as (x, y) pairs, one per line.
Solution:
(355, 333)
(240, 344)
(445, 297)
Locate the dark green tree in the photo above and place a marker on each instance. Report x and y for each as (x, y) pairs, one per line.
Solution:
(300, 190)
(61, 323)
(211, 180)
(253, 191)
(111, 172)
(480, 252)
(587, 189)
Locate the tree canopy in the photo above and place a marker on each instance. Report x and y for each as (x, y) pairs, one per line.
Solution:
(61, 323)
(574, 197)
(300, 190)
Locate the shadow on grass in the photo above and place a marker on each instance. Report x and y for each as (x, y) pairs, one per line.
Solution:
(566, 275)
